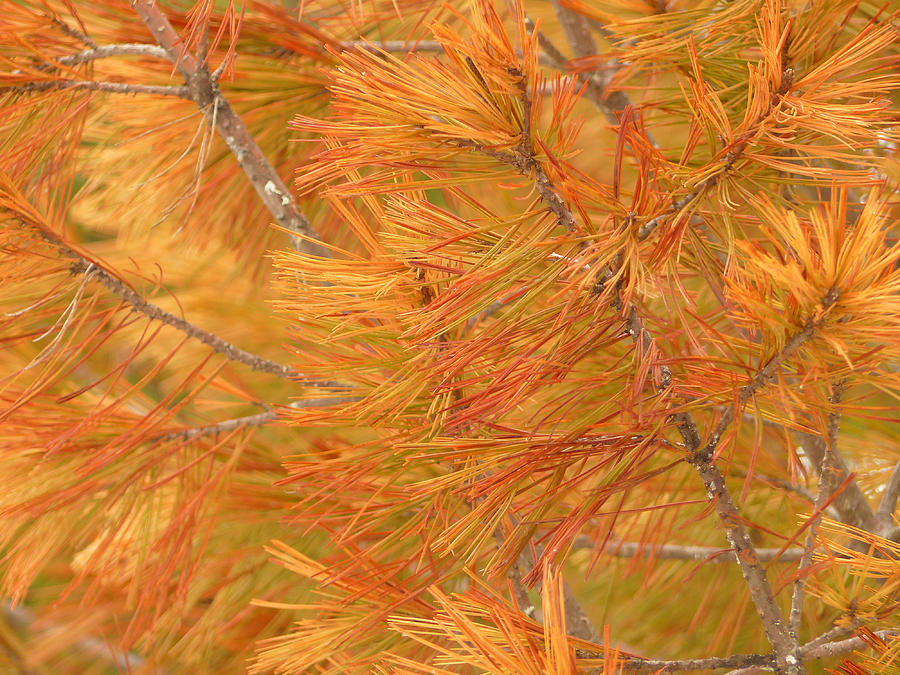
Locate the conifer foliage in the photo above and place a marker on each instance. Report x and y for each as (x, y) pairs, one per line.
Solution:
(462, 337)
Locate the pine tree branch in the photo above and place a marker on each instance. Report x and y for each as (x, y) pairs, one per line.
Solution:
(706, 554)
(401, 46)
(822, 651)
(809, 652)
(728, 162)
(832, 634)
(148, 309)
(769, 370)
(71, 32)
(107, 87)
(107, 51)
(702, 459)
(783, 641)
(82, 265)
(608, 102)
(248, 421)
(205, 93)
(826, 489)
(851, 504)
(639, 665)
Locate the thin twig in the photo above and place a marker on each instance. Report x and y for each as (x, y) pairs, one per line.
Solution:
(706, 554)
(769, 370)
(157, 313)
(597, 91)
(576, 29)
(262, 175)
(247, 421)
(82, 265)
(826, 488)
(665, 666)
(106, 51)
(842, 646)
(831, 634)
(808, 652)
(72, 32)
(851, 504)
(402, 46)
(107, 87)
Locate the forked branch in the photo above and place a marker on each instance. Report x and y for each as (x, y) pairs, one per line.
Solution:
(205, 93)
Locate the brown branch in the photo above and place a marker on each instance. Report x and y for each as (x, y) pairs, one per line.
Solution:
(84, 266)
(71, 32)
(576, 29)
(808, 652)
(665, 666)
(707, 554)
(831, 634)
(205, 93)
(851, 504)
(148, 309)
(106, 51)
(768, 371)
(403, 46)
(596, 91)
(826, 489)
(247, 421)
(107, 87)
(783, 644)
(842, 646)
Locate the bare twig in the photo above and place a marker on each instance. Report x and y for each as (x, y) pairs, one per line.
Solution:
(107, 87)
(842, 646)
(666, 666)
(82, 265)
(597, 92)
(157, 313)
(576, 29)
(747, 662)
(403, 46)
(706, 554)
(826, 488)
(851, 504)
(831, 634)
(106, 51)
(247, 421)
(205, 93)
(71, 32)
